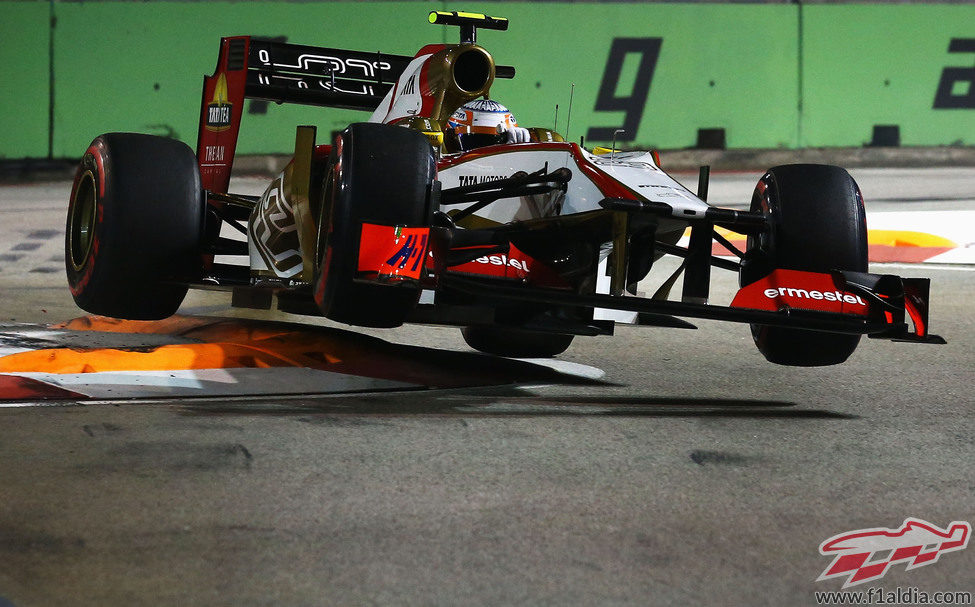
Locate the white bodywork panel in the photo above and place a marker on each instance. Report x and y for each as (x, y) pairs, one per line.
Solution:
(408, 100)
(635, 171)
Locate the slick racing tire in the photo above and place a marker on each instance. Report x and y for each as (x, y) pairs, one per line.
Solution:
(133, 227)
(379, 174)
(516, 343)
(817, 224)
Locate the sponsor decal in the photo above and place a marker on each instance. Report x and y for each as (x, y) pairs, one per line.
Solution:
(410, 88)
(513, 264)
(312, 63)
(615, 161)
(409, 253)
(219, 110)
(783, 289)
(214, 153)
(867, 554)
(503, 260)
(479, 179)
(392, 252)
(838, 296)
(349, 87)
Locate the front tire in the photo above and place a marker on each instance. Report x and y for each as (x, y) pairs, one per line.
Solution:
(380, 174)
(516, 343)
(817, 224)
(133, 227)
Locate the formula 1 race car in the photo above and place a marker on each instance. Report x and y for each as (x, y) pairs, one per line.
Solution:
(407, 218)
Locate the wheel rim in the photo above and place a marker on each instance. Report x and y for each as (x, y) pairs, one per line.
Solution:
(81, 225)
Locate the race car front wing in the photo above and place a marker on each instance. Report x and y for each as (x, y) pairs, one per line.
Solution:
(887, 302)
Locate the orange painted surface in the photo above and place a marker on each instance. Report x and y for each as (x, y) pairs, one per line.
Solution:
(222, 343)
(183, 356)
(174, 325)
(213, 343)
(907, 238)
(884, 245)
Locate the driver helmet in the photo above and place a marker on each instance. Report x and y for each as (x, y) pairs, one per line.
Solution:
(481, 122)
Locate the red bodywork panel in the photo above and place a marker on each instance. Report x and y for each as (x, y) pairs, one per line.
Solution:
(393, 253)
(220, 113)
(515, 265)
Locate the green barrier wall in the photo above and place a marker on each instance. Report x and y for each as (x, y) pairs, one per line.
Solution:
(867, 65)
(142, 73)
(141, 64)
(769, 75)
(715, 66)
(25, 74)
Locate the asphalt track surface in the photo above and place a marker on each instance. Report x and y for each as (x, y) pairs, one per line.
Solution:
(688, 472)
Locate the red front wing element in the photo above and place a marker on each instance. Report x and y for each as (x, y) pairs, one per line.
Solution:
(395, 253)
(392, 253)
(916, 292)
(513, 264)
(793, 289)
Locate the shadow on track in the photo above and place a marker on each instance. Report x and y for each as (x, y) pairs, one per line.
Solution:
(267, 354)
(501, 403)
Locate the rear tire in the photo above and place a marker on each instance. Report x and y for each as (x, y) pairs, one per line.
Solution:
(516, 343)
(383, 175)
(817, 224)
(133, 228)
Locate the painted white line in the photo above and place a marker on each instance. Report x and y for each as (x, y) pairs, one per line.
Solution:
(567, 368)
(214, 382)
(53, 403)
(928, 267)
(956, 226)
(961, 255)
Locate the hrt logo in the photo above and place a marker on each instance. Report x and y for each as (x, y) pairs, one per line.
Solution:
(867, 554)
(392, 252)
(408, 252)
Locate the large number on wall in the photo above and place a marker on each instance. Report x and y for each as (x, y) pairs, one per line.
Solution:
(631, 105)
(947, 97)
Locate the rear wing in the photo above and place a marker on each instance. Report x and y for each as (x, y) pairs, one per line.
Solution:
(291, 73)
(256, 68)
(253, 68)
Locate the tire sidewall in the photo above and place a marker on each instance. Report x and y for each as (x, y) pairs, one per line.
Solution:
(81, 274)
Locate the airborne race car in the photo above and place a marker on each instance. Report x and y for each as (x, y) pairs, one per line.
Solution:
(524, 245)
